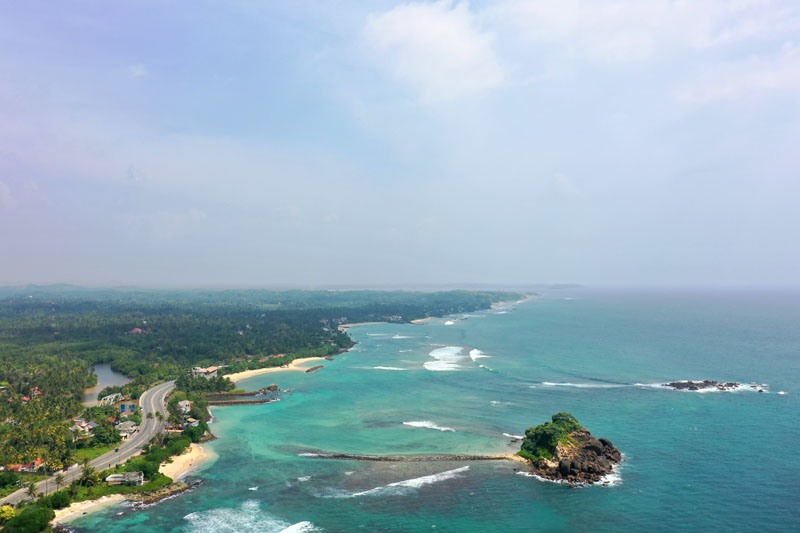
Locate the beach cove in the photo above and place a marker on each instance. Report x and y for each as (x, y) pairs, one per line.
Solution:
(596, 355)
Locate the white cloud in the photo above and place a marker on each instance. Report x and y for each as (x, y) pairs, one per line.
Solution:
(138, 70)
(620, 31)
(748, 78)
(437, 49)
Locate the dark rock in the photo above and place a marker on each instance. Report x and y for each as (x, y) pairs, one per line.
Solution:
(585, 460)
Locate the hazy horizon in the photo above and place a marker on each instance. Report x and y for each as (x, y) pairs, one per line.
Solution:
(400, 144)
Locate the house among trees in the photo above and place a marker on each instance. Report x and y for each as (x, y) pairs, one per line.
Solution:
(126, 478)
(127, 428)
(33, 466)
(184, 406)
(208, 373)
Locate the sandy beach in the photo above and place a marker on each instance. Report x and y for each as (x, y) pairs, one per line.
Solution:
(293, 366)
(78, 509)
(182, 464)
(422, 320)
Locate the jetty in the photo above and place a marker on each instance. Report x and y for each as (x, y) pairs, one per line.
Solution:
(407, 458)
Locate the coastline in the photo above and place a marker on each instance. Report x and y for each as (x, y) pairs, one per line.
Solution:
(345, 327)
(293, 366)
(422, 320)
(182, 464)
(78, 509)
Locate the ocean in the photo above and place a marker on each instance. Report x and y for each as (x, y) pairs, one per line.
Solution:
(713, 461)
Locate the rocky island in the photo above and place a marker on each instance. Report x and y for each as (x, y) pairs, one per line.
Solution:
(563, 450)
(710, 384)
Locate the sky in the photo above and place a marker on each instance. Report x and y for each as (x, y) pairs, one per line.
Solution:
(244, 143)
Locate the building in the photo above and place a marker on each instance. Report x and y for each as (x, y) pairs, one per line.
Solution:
(184, 406)
(127, 478)
(190, 422)
(33, 466)
(208, 373)
(127, 428)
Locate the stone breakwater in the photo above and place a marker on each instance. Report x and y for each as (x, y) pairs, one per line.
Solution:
(406, 458)
(585, 460)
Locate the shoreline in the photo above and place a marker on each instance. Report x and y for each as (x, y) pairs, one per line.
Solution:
(78, 509)
(186, 462)
(294, 366)
(179, 467)
(345, 327)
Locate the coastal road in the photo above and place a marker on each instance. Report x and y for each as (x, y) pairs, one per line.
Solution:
(153, 400)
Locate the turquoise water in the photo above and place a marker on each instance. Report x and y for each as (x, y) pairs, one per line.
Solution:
(713, 461)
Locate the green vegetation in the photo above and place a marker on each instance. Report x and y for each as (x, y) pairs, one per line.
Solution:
(31, 519)
(89, 454)
(540, 442)
(6, 514)
(50, 337)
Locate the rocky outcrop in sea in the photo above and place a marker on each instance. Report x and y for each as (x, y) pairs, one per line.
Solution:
(585, 460)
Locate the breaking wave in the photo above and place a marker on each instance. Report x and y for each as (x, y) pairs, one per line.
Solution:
(446, 358)
(426, 424)
(585, 385)
(403, 487)
(510, 436)
(387, 368)
(477, 354)
(246, 518)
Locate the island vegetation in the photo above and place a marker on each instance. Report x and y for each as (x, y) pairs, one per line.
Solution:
(563, 450)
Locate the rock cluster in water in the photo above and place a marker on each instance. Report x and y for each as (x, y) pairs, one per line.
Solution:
(585, 460)
(707, 384)
(563, 450)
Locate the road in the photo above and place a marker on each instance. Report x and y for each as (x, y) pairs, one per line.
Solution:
(152, 400)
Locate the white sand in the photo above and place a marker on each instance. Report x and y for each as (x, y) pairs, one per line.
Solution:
(293, 366)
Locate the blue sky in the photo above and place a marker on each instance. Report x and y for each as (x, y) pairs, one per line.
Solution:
(333, 143)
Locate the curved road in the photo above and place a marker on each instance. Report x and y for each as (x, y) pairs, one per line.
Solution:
(152, 400)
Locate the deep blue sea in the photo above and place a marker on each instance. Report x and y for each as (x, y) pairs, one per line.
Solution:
(715, 461)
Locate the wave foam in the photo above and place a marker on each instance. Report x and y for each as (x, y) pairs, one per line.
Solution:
(247, 517)
(585, 385)
(300, 527)
(401, 486)
(426, 424)
(387, 368)
(477, 354)
(446, 358)
(449, 323)
(398, 336)
(510, 436)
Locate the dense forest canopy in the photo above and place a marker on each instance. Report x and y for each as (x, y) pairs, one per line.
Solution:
(51, 336)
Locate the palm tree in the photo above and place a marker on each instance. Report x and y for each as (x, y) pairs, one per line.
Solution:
(87, 477)
(59, 481)
(32, 492)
